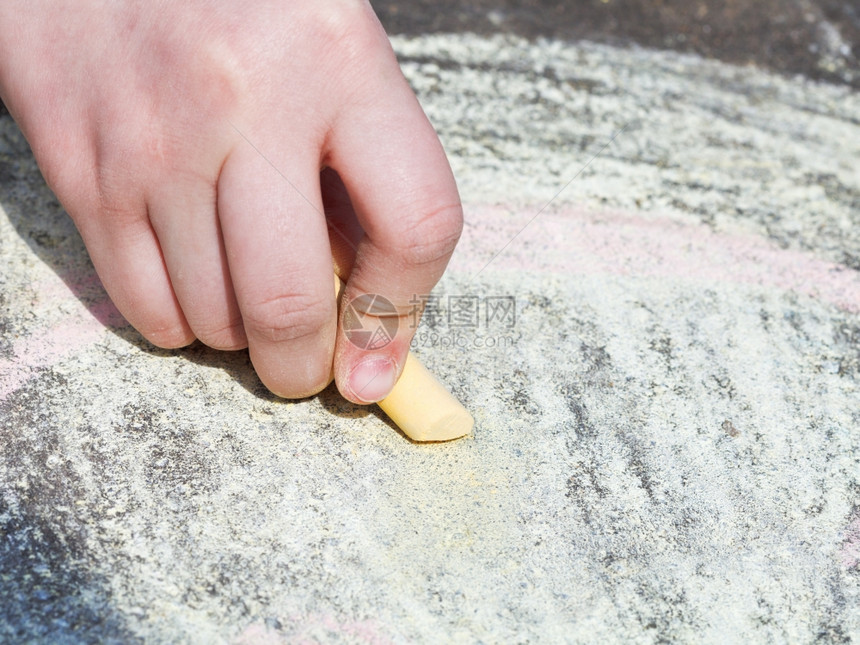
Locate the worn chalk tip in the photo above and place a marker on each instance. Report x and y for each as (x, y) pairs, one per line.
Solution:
(423, 408)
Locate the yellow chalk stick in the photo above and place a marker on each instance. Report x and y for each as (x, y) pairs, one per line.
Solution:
(420, 405)
(423, 408)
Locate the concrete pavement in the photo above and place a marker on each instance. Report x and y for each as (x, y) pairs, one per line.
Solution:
(667, 442)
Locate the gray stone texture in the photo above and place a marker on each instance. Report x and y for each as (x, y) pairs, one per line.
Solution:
(667, 443)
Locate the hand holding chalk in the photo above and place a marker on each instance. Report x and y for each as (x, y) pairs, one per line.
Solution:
(420, 405)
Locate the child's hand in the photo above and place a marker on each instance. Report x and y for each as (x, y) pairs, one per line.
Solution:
(186, 141)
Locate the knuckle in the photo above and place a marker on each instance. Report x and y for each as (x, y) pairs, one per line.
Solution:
(119, 199)
(168, 337)
(287, 316)
(227, 337)
(302, 390)
(430, 238)
(352, 41)
(348, 25)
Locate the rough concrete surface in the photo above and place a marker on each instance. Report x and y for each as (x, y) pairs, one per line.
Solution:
(816, 38)
(667, 443)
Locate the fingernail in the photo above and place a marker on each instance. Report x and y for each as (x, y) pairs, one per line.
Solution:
(372, 379)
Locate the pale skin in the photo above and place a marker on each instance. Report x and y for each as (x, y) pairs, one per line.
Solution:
(221, 157)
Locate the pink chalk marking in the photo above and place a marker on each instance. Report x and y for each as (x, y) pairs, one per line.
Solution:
(358, 631)
(849, 554)
(578, 242)
(259, 634)
(571, 241)
(45, 347)
(301, 630)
